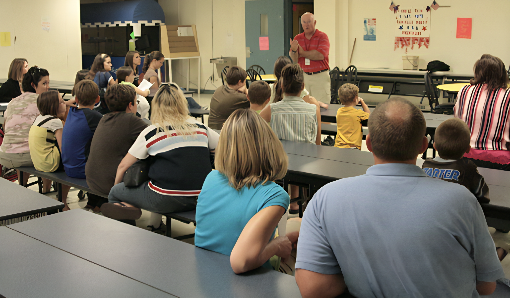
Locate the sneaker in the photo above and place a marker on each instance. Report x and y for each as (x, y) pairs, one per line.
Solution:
(10, 174)
(160, 230)
(81, 195)
(328, 141)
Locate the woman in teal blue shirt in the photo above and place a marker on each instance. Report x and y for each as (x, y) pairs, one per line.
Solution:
(240, 206)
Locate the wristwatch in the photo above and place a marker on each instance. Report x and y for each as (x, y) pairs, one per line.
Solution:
(294, 51)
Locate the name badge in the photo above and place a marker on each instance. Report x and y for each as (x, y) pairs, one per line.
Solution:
(307, 61)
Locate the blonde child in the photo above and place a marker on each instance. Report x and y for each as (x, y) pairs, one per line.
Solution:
(348, 118)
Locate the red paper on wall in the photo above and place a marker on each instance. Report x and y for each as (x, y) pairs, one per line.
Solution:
(464, 26)
(264, 43)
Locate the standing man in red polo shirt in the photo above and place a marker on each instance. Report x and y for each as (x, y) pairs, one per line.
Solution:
(311, 50)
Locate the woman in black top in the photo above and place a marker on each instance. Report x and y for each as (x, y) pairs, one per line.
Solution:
(11, 88)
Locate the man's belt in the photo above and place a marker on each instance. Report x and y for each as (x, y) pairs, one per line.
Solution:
(316, 72)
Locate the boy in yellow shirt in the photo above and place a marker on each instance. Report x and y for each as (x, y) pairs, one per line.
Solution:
(348, 118)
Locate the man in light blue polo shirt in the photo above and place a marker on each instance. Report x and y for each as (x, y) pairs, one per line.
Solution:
(394, 232)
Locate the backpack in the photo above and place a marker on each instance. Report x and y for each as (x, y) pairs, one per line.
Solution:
(437, 65)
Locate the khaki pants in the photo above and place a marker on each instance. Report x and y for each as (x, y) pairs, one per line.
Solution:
(319, 86)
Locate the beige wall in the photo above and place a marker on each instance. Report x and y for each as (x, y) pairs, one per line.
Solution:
(460, 54)
(214, 20)
(58, 50)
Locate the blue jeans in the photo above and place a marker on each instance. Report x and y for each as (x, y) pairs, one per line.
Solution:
(192, 104)
(145, 198)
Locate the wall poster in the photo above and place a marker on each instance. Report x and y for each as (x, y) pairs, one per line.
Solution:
(369, 27)
(412, 28)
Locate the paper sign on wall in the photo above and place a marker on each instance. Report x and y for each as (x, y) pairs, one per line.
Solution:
(412, 22)
(464, 26)
(184, 31)
(5, 39)
(412, 28)
(264, 43)
(369, 26)
(45, 24)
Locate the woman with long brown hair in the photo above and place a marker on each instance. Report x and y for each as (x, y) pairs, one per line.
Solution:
(12, 87)
(151, 64)
(292, 118)
(485, 107)
(133, 60)
(100, 71)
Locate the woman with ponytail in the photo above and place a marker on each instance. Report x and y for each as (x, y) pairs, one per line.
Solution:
(292, 118)
(151, 64)
(276, 89)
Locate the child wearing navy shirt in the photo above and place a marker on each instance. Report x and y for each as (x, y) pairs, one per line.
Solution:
(77, 135)
(451, 141)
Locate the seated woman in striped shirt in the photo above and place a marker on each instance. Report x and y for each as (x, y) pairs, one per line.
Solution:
(292, 118)
(485, 107)
(179, 150)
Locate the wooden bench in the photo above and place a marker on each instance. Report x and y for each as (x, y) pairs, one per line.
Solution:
(60, 178)
(331, 130)
(185, 217)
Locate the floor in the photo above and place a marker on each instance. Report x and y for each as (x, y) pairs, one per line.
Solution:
(293, 223)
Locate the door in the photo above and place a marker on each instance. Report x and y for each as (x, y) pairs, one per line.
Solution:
(264, 18)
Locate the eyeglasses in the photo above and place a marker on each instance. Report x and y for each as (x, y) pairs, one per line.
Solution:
(137, 101)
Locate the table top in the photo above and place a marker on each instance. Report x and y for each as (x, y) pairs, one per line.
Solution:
(433, 120)
(31, 268)
(266, 77)
(164, 263)
(17, 201)
(318, 167)
(329, 153)
(455, 87)
(408, 72)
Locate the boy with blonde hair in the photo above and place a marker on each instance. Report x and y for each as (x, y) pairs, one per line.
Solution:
(451, 140)
(348, 118)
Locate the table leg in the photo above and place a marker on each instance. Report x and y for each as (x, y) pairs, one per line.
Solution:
(199, 76)
(170, 77)
(20, 178)
(59, 192)
(187, 75)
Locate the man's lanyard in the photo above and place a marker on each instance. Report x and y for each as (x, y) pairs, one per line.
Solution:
(307, 45)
